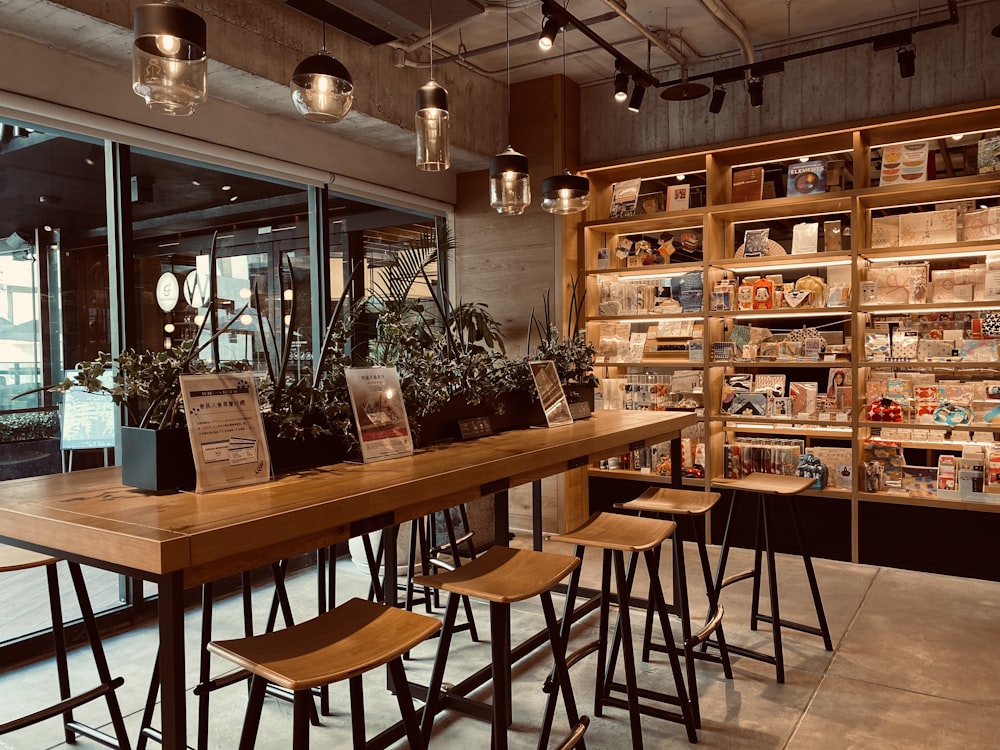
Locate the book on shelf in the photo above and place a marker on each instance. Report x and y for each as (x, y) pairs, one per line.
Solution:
(678, 197)
(806, 178)
(988, 156)
(624, 196)
(748, 185)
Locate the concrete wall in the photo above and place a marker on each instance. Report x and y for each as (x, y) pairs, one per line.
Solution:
(956, 65)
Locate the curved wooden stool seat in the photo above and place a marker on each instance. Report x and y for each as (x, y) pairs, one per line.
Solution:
(614, 531)
(13, 559)
(617, 534)
(502, 576)
(686, 507)
(763, 486)
(342, 644)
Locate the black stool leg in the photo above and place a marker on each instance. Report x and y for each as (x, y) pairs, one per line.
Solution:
(624, 594)
(557, 641)
(204, 665)
(656, 593)
(405, 701)
(449, 525)
(325, 599)
(358, 712)
(374, 561)
(811, 574)
(713, 599)
(437, 672)
(302, 709)
(772, 585)
(551, 686)
(150, 707)
(760, 537)
(248, 737)
(59, 641)
(604, 670)
(500, 647)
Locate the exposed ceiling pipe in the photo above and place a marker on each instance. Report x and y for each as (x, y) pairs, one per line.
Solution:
(668, 48)
(728, 19)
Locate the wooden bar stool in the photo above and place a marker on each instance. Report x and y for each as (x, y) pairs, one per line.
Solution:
(617, 534)
(13, 559)
(764, 486)
(502, 576)
(686, 508)
(342, 644)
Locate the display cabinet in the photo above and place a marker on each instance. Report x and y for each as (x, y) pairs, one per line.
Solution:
(852, 315)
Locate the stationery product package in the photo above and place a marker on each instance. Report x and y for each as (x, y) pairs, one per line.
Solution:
(805, 237)
(885, 231)
(833, 239)
(803, 397)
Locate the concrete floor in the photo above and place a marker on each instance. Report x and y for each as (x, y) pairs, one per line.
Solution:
(914, 666)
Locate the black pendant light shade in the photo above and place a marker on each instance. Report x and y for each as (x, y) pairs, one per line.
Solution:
(565, 194)
(433, 127)
(322, 88)
(169, 58)
(510, 185)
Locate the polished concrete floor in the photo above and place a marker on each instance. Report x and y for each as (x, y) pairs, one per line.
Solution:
(914, 665)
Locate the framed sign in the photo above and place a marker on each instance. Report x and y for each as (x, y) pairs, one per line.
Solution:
(87, 419)
(379, 413)
(226, 430)
(550, 393)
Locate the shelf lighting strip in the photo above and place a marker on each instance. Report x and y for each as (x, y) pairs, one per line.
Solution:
(814, 312)
(930, 256)
(790, 265)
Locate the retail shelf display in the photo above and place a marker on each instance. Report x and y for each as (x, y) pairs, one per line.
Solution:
(858, 321)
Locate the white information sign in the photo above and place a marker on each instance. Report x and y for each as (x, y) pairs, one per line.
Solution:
(226, 429)
(379, 413)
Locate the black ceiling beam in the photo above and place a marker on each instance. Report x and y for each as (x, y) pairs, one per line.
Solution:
(565, 18)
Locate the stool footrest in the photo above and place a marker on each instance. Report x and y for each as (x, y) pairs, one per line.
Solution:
(707, 629)
(156, 735)
(792, 625)
(747, 652)
(62, 706)
(581, 653)
(95, 734)
(645, 709)
(576, 735)
(220, 682)
(736, 578)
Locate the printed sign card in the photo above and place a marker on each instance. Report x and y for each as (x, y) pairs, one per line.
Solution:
(226, 430)
(379, 413)
(87, 419)
(550, 393)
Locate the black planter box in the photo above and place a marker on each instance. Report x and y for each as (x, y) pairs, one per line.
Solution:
(157, 460)
(289, 454)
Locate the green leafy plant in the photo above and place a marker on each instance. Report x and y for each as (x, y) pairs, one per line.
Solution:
(572, 354)
(23, 426)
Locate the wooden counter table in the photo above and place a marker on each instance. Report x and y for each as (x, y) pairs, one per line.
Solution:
(182, 539)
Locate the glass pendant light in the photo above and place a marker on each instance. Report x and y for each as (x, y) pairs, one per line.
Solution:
(565, 193)
(510, 185)
(322, 88)
(431, 121)
(169, 58)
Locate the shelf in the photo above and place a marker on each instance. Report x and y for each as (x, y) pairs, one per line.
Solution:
(784, 312)
(785, 208)
(929, 307)
(894, 498)
(633, 475)
(782, 363)
(930, 252)
(655, 271)
(645, 318)
(657, 362)
(690, 218)
(933, 191)
(735, 423)
(773, 263)
(933, 365)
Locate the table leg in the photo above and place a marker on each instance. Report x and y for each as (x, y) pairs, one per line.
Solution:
(501, 518)
(676, 469)
(171, 624)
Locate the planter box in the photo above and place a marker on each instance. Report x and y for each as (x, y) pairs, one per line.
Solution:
(157, 460)
(289, 455)
(443, 424)
(30, 458)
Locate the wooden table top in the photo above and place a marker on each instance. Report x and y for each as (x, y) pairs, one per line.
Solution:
(91, 516)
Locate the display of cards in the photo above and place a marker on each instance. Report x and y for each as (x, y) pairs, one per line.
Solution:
(803, 397)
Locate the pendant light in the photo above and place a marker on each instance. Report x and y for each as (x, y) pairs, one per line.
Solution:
(431, 121)
(565, 193)
(322, 88)
(510, 185)
(169, 58)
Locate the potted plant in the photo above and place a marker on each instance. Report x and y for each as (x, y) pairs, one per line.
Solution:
(29, 443)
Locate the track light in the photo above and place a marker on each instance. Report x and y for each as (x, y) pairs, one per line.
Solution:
(906, 56)
(718, 99)
(550, 27)
(755, 88)
(621, 84)
(638, 91)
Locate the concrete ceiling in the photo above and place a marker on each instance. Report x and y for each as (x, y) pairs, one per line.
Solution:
(470, 38)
